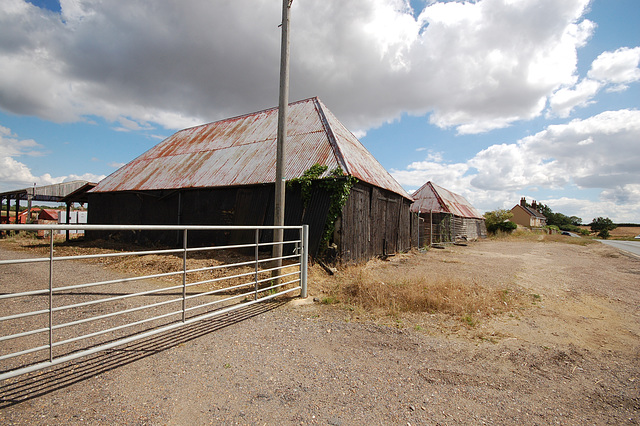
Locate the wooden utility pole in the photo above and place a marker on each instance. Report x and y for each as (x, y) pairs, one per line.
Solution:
(278, 214)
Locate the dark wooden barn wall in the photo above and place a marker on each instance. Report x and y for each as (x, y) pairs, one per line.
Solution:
(221, 206)
(375, 222)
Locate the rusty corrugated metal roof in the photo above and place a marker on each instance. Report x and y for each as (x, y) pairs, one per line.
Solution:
(433, 198)
(242, 151)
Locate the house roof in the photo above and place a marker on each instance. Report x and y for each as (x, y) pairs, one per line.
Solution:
(242, 151)
(433, 198)
(531, 211)
(48, 214)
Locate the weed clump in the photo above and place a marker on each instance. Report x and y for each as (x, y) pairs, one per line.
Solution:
(467, 301)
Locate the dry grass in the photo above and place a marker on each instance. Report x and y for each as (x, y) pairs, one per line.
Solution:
(376, 289)
(527, 235)
(622, 232)
(419, 294)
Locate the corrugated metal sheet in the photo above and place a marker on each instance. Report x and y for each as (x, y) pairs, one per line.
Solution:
(242, 151)
(431, 197)
(359, 162)
(53, 192)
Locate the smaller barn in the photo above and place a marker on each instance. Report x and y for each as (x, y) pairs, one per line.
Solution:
(528, 216)
(446, 217)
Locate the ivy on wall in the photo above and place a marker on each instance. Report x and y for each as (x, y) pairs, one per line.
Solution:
(337, 184)
(306, 181)
(339, 187)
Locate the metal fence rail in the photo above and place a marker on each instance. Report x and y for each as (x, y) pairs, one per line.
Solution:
(64, 318)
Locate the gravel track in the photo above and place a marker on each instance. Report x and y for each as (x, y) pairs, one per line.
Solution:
(572, 359)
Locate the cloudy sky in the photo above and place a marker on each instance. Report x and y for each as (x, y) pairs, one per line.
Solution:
(493, 99)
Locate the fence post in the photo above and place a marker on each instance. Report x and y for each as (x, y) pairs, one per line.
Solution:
(184, 276)
(256, 251)
(304, 261)
(51, 295)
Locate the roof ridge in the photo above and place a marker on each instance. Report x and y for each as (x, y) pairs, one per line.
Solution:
(331, 136)
(438, 196)
(313, 98)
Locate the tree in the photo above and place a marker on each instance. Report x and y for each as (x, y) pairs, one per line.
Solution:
(498, 220)
(562, 221)
(544, 209)
(602, 225)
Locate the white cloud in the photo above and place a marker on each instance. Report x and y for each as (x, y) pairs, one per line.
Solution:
(611, 69)
(12, 146)
(619, 67)
(598, 153)
(419, 172)
(475, 65)
(15, 174)
(563, 101)
(498, 63)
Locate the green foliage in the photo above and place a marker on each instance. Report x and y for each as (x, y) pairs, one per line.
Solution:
(306, 181)
(544, 209)
(602, 225)
(469, 320)
(498, 220)
(572, 228)
(339, 187)
(564, 222)
(329, 300)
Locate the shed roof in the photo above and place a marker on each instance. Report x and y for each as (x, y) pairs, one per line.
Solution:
(433, 198)
(242, 151)
(55, 192)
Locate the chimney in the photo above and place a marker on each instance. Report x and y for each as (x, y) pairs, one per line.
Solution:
(523, 202)
(534, 205)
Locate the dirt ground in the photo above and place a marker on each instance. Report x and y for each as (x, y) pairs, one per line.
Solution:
(569, 354)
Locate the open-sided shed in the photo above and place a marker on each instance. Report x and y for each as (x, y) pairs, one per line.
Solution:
(222, 173)
(58, 192)
(446, 217)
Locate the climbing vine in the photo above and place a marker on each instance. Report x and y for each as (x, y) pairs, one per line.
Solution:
(306, 180)
(338, 185)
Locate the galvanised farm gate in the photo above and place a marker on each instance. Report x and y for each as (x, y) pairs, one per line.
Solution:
(53, 311)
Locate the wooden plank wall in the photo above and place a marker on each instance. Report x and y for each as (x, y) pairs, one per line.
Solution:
(448, 229)
(375, 222)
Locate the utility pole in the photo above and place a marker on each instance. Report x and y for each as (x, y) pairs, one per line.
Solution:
(278, 214)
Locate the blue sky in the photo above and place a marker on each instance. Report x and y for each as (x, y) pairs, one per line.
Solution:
(492, 99)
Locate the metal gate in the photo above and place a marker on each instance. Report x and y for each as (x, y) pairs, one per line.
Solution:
(52, 311)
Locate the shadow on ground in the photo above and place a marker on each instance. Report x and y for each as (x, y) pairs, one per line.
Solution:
(33, 385)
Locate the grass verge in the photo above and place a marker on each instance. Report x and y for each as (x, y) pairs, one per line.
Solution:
(380, 292)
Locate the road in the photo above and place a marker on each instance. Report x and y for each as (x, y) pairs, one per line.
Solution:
(632, 247)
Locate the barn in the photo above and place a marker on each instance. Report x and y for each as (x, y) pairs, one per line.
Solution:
(223, 173)
(446, 217)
